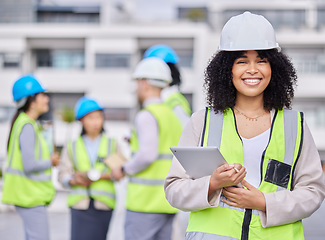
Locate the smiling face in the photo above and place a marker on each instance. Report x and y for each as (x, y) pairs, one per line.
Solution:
(251, 74)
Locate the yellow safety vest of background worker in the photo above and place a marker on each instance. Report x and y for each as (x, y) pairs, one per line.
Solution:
(27, 178)
(269, 149)
(82, 169)
(172, 97)
(171, 94)
(149, 216)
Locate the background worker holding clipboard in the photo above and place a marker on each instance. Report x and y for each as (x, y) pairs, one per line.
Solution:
(250, 86)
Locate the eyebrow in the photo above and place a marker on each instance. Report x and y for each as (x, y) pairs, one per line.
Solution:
(244, 56)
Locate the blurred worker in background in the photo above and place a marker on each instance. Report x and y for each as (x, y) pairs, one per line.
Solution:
(149, 216)
(27, 178)
(82, 169)
(171, 95)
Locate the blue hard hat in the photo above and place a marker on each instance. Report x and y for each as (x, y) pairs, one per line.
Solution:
(25, 86)
(84, 106)
(163, 52)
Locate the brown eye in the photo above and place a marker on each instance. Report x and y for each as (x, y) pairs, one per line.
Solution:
(262, 60)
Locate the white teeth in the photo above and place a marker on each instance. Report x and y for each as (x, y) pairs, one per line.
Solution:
(252, 80)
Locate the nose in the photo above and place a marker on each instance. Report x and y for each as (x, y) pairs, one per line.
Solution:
(252, 68)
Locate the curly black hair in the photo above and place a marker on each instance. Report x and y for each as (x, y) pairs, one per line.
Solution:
(221, 93)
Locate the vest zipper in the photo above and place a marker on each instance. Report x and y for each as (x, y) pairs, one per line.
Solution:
(246, 223)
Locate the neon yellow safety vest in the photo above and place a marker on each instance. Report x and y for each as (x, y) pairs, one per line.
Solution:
(177, 99)
(277, 168)
(101, 190)
(145, 192)
(20, 188)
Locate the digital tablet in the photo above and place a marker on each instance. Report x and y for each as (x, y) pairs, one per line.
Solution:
(198, 161)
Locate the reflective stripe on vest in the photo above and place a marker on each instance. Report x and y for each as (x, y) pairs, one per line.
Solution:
(206, 236)
(153, 182)
(286, 130)
(41, 176)
(160, 156)
(146, 181)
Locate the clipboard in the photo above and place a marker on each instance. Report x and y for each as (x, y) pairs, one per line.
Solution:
(115, 160)
(198, 161)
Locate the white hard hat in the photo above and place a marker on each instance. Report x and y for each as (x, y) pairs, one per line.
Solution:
(248, 31)
(155, 70)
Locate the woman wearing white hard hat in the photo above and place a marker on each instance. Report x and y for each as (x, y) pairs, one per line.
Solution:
(273, 178)
(83, 170)
(27, 179)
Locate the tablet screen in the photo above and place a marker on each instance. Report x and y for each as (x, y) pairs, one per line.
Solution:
(198, 161)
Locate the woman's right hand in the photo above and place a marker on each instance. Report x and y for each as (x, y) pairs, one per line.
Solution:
(226, 175)
(80, 178)
(55, 159)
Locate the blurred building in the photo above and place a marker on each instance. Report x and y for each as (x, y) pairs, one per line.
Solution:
(78, 47)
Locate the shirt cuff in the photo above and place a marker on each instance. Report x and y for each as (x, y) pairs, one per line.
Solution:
(66, 181)
(264, 216)
(214, 198)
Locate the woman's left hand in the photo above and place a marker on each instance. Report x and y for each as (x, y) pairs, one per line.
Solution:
(248, 197)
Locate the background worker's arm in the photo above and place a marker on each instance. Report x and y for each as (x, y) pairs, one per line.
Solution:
(27, 148)
(147, 131)
(65, 168)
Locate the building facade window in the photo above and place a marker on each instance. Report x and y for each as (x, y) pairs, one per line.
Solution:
(10, 60)
(60, 58)
(321, 17)
(183, 47)
(195, 14)
(66, 14)
(314, 111)
(185, 57)
(291, 18)
(108, 60)
(307, 59)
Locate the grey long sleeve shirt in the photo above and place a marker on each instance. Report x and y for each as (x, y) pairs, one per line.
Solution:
(147, 130)
(27, 147)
